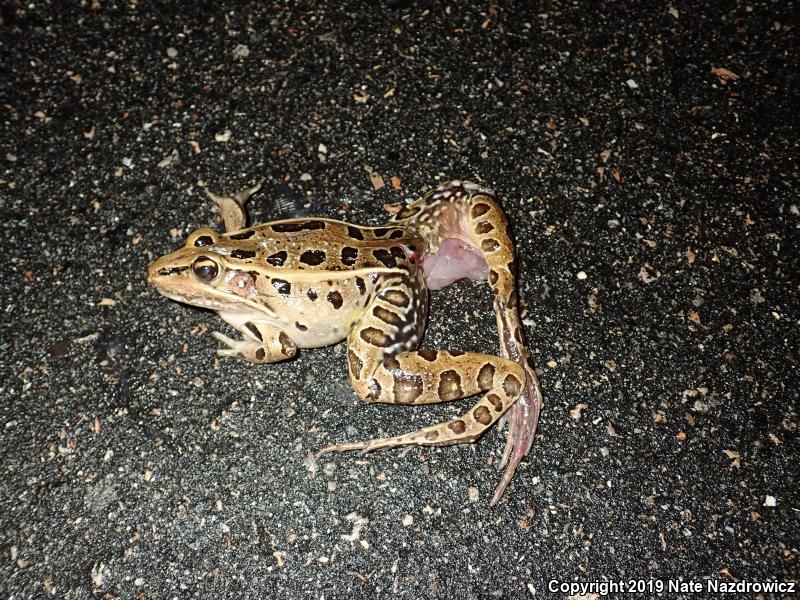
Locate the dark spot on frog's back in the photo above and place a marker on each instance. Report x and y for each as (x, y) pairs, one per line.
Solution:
(362, 287)
(385, 257)
(391, 364)
(355, 232)
(295, 226)
(312, 257)
(245, 235)
(203, 240)
(240, 254)
(277, 259)
(349, 256)
(284, 287)
(335, 298)
(312, 295)
(301, 327)
(495, 401)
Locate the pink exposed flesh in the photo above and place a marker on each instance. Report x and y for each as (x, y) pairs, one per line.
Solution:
(455, 259)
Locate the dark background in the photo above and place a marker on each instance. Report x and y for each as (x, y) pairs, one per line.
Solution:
(646, 154)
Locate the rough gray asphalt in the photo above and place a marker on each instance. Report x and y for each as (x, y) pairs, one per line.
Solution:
(646, 154)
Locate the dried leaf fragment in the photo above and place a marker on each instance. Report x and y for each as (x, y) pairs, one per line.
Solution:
(392, 208)
(376, 180)
(724, 74)
(577, 412)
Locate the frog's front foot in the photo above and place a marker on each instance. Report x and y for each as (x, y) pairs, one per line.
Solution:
(235, 348)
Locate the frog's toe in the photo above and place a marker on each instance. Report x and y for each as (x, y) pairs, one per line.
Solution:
(230, 342)
(244, 195)
(233, 346)
(363, 446)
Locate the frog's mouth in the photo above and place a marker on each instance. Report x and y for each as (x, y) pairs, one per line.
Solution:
(200, 302)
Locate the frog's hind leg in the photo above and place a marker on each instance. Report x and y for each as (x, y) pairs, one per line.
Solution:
(232, 209)
(469, 212)
(488, 228)
(430, 376)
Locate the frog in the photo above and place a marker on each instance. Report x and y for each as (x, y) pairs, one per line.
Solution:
(309, 282)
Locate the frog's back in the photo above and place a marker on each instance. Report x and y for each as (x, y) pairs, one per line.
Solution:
(297, 245)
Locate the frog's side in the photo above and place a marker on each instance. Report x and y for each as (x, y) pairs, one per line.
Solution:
(306, 283)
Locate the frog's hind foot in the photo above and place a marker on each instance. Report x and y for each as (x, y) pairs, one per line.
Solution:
(232, 207)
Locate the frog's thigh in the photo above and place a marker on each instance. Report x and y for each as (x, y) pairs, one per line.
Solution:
(263, 343)
(488, 227)
(232, 208)
(428, 376)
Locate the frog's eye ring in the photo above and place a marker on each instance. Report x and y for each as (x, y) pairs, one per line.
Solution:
(204, 268)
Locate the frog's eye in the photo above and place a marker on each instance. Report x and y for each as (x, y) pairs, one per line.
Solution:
(204, 268)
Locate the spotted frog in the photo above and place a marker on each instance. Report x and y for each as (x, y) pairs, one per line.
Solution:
(311, 282)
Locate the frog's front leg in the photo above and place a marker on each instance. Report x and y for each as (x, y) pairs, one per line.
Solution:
(232, 209)
(263, 343)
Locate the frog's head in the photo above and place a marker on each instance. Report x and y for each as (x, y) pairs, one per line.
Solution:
(205, 273)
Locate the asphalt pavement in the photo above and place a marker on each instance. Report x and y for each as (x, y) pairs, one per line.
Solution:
(647, 156)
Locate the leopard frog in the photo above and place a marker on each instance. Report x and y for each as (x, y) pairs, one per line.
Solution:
(310, 282)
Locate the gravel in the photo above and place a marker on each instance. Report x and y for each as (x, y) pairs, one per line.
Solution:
(647, 157)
